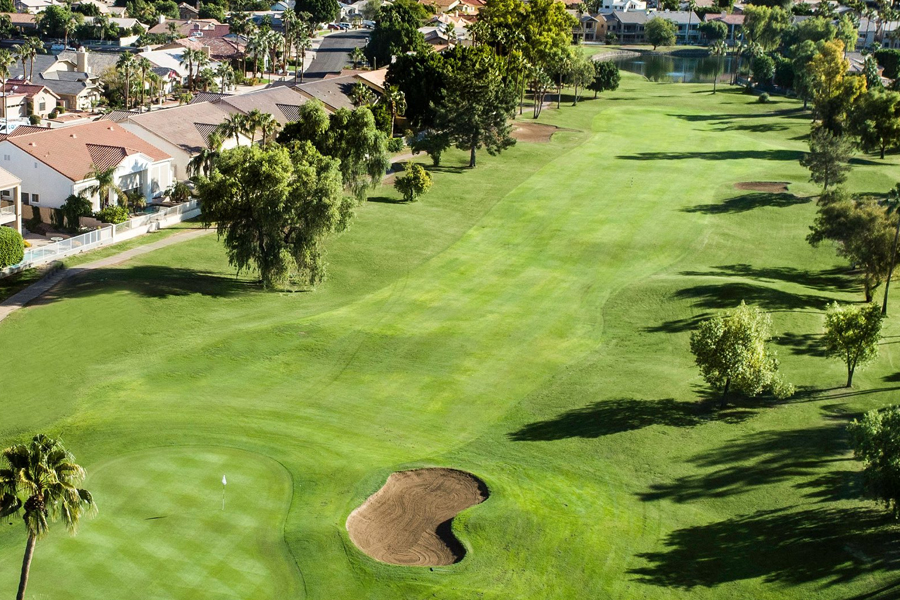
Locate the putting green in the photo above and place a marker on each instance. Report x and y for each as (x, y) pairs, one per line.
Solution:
(162, 533)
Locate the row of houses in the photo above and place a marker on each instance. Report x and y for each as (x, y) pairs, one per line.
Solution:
(628, 25)
(42, 167)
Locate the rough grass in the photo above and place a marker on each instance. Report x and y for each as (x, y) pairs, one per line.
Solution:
(527, 322)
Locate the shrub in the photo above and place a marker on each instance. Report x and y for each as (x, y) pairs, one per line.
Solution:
(54, 114)
(34, 119)
(763, 98)
(876, 442)
(395, 145)
(73, 208)
(12, 247)
(179, 192)
(415, 182)
(112, 214)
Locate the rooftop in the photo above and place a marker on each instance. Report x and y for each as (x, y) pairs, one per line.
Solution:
(73, 151)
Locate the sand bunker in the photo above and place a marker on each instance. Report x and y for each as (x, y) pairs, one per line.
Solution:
(774, 187)
(533, 132)
(407, 521)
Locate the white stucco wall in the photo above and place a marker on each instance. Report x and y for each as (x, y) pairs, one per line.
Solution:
(51, 186)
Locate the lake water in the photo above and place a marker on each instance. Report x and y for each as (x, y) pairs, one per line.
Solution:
(679, 69)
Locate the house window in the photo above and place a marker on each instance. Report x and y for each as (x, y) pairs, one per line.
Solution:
(42, 106)
(5, 193)
(6, 157)
(25, 197)
(35, 198)
(35, 165)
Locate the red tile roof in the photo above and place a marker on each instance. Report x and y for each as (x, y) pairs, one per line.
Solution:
(73, 151)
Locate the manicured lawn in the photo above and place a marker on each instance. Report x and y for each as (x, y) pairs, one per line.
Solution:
(526, 321)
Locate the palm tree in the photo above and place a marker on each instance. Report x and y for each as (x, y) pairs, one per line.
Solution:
(106, 184)
(718, 49)
(101, 24)
(125, 66)
(156, 86)
(69, 29)
(187, 58)
(268, 126)
(201, 60)
(225, 74)
(289, 21)
(6, 60)
(361, 94)
(276, 41)
(21, 54)
(258, 46)
(891, 206)
(204, 161)
(233, 126)
(32, 47)
(396, 101)
(206, 77)
(302, 43)
(253, 122)
(357, 56)
(145, 66)
(692, 6)
(41, 480)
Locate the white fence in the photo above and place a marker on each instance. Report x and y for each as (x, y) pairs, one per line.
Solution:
(106, 236)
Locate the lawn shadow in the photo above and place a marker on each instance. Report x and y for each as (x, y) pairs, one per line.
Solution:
(802, 344)
(830, 280)
(608, 417)
(747, 202)
(787, 546)
(386, 200)
(762, 459)
(730, 294)
(149, 281)
(787, 155)
(790, 113)
(753, 128)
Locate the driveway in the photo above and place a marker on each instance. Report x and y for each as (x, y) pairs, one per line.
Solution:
(333, 53)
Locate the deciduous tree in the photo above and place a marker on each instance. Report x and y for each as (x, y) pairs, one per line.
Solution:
(876, 442)
(828, 158)
(875, 120)
(413, 183)
(274, 209)
(731, 351)
(852, 334)
(606, 77)
(660, 32)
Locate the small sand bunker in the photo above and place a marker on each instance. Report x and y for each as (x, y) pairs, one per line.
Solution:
(407, 521)
(773, 187)
(533, 132)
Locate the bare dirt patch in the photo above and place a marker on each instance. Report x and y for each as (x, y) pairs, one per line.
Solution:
(407, 521)
(772, 187)
(533, 132)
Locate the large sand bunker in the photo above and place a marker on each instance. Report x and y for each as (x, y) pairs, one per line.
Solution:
(407, 521)
(524, 131)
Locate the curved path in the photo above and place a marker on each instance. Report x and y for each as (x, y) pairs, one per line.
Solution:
(36, 290)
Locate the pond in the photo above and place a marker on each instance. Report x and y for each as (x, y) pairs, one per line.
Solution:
(679, 69)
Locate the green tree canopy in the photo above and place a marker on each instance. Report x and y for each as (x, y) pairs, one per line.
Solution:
(875, 120)
(660, 32)
(319, 11)
(478, 102)
(862, 232)
(396, 32)
(414, 182)
(12, 247)
(422, 78)
(852, 334)
(606, 77)
(764, 25)
(731, 351)
(274, 208)
(714, 30)
(828, 158)
(876, 442)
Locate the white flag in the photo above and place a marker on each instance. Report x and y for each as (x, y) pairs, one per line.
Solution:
(223, 480)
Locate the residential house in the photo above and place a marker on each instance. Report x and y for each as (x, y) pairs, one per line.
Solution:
(374, 79)
(734, 23)
(628, 26)
(623, 5)
(189, 27)
(281, 102)
(333, 92)
(33, 6)
(868, 29)
(229, 49)
(24, 23)
(10, 200)
(591, 28)
(183, 131)
(441, 6)
(21, 100)
(56, 163)
(187, 12)
(71, 78)
(688, 24)
(170, 61)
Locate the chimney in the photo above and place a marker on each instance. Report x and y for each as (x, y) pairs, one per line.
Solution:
(162, 19)
(205, 50)
(81, 59)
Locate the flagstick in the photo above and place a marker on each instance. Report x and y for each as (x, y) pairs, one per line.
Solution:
(224, 481)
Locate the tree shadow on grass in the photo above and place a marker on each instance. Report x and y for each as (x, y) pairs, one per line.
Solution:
(747, 202)
(753, 128)
(790, 113)
(730, 295)
(787, 155)
(386, 200)
(803, 344)
(150, 281)
(757, 460)
(788, 546)
(831, 280)
(608, 417)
